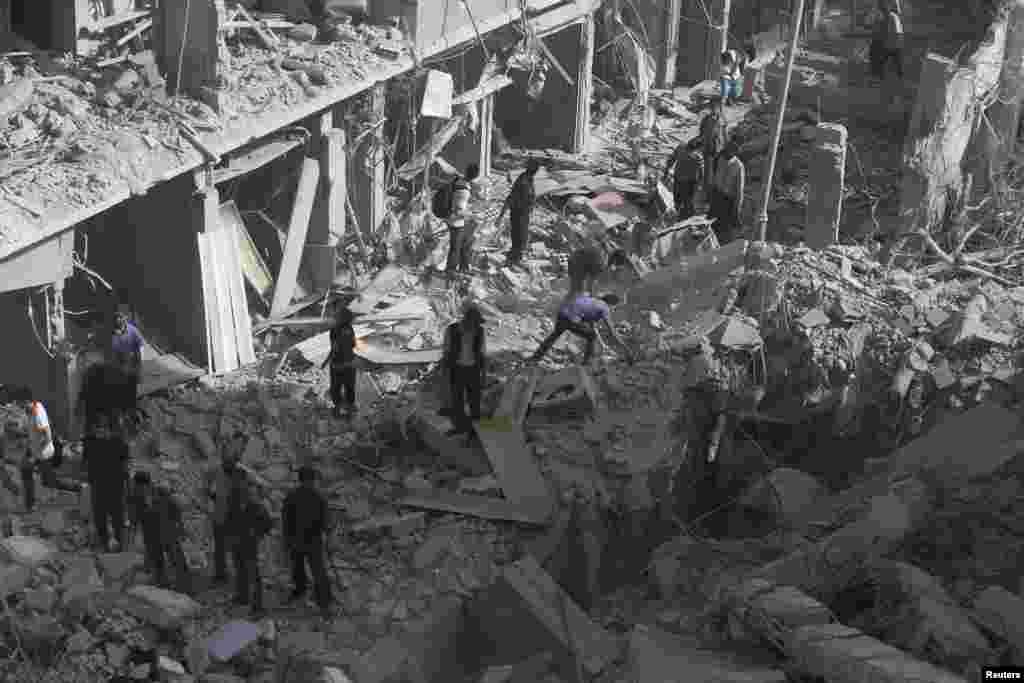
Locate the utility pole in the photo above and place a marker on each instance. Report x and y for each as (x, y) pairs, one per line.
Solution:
(794, 39)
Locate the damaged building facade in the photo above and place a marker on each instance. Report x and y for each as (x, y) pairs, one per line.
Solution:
(153, 179)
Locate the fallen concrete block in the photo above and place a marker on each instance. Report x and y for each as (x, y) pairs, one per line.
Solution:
(1002, 613)
(119, 566)
(27, 551)
(517, 396)
(397, 526)
(473, 506)
(840, 654)
(13, 578)
(521, 480)
(159, 607)
(655, 655)
(433, 643)
(526, 601)
(568, 394)
(431, 430)
(170, 669)
(232, 638)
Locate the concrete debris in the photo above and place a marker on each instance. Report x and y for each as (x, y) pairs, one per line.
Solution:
(1001, 612)
(655, 655)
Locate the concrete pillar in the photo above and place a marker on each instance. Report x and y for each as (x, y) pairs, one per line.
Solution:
(584, 85)
(205, 218)
(486, 134)
(60, 406)
(368, 170)
(193, 39)
(670, 49)
(825, 193)
(327, 224)
(718, 38)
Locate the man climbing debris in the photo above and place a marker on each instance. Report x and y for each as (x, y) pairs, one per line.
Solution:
(462, 224)
(580, 315)
(126, 348)
(729, 82)
(303, 525)
(465, 348)
(154, 510)
(727, 193)
(519, 204)
(106, 452)
(342, 360)
(687, 168)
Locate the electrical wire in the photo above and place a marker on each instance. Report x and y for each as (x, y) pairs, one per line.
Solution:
(35, 330)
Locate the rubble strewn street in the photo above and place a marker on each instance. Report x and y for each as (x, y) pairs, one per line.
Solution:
(804, 461)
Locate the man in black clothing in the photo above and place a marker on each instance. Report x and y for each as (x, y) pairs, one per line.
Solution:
(687, 168)
(464, 352)
(712, 137)
(248, 521)
(105, 454)
(304, 523)
(519, 204)
(342, 361)
(155, 510)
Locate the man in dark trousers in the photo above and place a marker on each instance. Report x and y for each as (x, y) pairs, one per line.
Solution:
(465, 347)
(712, 136)
(247, 523)
(580, 315)
(106, 453)
(687, 166)
(154, 509)
(218, 484)
(727, 194)
(519, 204)
(126, 348)
(342, 360)
(586, 264)
(303, 526)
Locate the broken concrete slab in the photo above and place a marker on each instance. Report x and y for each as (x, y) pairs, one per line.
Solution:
(526, 601)
(969, 326)
(431, 430)
(656, 655)
(517, 396)
(1002, 613)
(813, 318)
(159, 607)
(27, 551)
(518, 473)
(473, 506)
(568, 394)
(840, 654)
(434, 642)
(736, 334)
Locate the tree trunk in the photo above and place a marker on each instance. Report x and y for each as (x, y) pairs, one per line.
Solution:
(940, 130)
(997, 136)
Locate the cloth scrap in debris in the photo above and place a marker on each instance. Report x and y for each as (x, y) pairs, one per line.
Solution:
(567, 182)
(232, 639)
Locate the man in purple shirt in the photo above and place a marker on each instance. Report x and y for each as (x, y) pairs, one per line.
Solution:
(126, 349)
(580, 316)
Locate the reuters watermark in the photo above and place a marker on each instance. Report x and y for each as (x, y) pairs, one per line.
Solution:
(1002, 673)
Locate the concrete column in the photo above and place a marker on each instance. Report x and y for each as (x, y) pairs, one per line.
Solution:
(584, 85)
(670, 49)
(205, 218)
(368, 170)
(486, 134)
(61, 405)
(718, 38)
(825, 193)
(328, 221)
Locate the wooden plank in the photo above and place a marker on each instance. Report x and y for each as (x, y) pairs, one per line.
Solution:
(256, 272)
(239, 303)
(216, 353)
(472, 506)
(296, 238)
(218, 249)
(518, 474)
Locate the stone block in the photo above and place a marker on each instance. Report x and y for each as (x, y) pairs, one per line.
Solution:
(159, 607)
(27, 551)
(825, 194)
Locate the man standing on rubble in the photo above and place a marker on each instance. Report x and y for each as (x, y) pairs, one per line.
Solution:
(342, 359)
(462, 225)
(465, 349)
(519, 205)
(126, 346)
(727, 193)
(43, 453)
(154, 509)
(303, 526)
(246, 523)
(580, 315)
(687, 163)
(712, 136)
(219, 482)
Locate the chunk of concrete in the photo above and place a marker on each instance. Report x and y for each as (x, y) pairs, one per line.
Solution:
(13, 578)
(1002, 613)
(232, 638)
(119, 566)
(786, 493)
(432, 431)
(27, 551)
(568, 394)
(655, 655)
(526, 601)
(81, 571)
(41, 599)
(159, 607)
